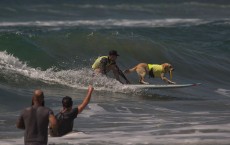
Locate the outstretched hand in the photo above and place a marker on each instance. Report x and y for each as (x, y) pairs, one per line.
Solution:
(86, 100)
(90, 88)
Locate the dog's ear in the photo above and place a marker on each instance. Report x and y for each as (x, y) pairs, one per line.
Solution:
(168, 65)
(165, 65)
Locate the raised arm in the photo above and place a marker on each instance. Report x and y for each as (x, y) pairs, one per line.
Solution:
(86, 99)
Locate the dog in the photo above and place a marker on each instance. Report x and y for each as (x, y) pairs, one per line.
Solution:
(154, 70)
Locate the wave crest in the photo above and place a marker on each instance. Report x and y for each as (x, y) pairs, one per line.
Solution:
(111, 23)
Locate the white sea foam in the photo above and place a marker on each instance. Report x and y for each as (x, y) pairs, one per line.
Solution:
(72, 78)
(110, 23)
(2, 122)
(148, 127)
(94, 109)
(139, 137)
(134, 138)
(224, 92)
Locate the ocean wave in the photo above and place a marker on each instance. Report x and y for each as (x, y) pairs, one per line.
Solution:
(224, 92)
(209, 4)
(110, 23)
(114, 135)
(12, 67)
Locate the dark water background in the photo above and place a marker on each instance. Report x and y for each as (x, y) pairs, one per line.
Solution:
(52, 45)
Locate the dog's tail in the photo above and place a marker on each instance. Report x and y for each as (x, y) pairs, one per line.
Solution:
(130, 70)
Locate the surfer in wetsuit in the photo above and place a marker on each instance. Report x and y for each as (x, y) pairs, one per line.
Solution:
(66, 116)
(104, 64)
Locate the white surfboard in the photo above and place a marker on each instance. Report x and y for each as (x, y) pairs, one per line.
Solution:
(160, 86)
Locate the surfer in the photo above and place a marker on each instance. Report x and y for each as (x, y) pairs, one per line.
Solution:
(154, 70)
(104, 64)
(66, 116)
(35, 119)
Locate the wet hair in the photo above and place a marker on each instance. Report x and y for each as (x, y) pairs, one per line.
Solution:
(67, 102)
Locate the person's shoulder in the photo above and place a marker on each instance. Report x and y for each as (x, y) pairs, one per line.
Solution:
(46, 109)
(43, 107)
(27, 108)
(75, 109)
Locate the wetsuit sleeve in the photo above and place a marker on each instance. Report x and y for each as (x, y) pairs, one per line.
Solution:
(103, 64)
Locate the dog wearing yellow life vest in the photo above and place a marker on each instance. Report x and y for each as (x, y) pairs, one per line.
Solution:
(154, 70)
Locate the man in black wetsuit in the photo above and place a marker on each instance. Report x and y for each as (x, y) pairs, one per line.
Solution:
(68, 113)
(35, 120)
(104, 64)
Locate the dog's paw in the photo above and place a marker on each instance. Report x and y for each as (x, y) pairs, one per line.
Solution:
(145, 83)
(171, 82)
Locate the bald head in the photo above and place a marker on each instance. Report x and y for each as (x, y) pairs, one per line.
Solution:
(38, 97)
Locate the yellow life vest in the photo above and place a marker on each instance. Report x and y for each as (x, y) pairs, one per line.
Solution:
(97, 62)
(157, 69)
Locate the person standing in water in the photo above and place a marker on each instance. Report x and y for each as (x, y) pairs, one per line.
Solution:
(68, 113)
(35, 120)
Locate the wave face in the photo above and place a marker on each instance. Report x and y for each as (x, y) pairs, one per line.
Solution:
(204, 53)
(52, 45)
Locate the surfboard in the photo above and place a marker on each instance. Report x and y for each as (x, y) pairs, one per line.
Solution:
(160, 86)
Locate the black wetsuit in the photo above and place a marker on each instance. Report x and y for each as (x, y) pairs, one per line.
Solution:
(65, 122)
(105, 61)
